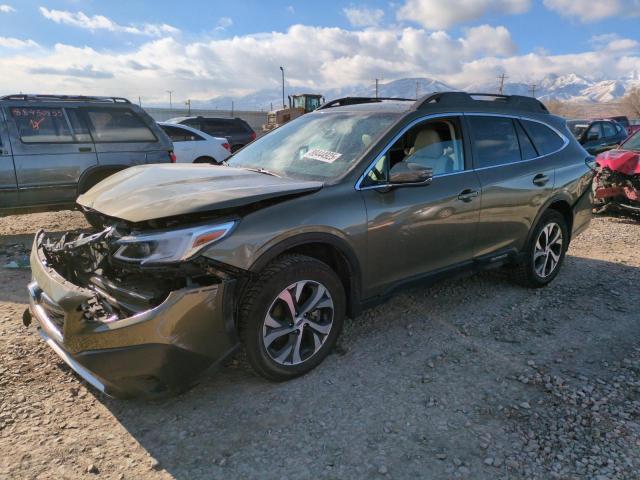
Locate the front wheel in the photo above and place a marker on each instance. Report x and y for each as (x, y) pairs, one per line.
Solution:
(545, 252)
(290, 316)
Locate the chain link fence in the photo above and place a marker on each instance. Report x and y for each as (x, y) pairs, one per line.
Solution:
(254, 119)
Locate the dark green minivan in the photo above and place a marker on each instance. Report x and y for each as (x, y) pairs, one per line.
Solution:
(55, 147)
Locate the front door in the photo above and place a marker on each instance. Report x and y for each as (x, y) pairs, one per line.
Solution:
(8, 183)
(414, 230)
(49, 155)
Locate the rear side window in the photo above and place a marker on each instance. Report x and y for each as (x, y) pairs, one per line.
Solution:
(609, 129)
(177, 134)
(219, 126)
(494, 141)
(546, 140)
(118, 125)
(42, 125)
(527, 150)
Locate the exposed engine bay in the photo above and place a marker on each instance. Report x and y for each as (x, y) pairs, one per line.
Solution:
(105, 262)
(617, 181)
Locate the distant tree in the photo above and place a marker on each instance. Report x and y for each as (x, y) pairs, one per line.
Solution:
(631, 102)
(563, 109)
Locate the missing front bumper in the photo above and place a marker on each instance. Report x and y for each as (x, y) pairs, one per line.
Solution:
(157, 351)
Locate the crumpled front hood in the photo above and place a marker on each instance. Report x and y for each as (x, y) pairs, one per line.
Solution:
(622, 161)
(150, 192)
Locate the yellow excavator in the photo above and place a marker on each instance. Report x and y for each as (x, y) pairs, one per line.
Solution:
(298, 105)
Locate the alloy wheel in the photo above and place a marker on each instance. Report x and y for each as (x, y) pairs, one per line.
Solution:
(298, 322)
(548, 250)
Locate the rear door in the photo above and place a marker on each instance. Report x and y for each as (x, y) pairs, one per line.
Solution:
(121, 136)
(8, 183)
(516, 174)
(49, 155)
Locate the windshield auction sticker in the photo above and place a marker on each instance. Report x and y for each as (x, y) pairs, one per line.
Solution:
(322, 155)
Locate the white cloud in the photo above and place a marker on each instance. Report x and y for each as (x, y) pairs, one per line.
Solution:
(594, 10)
(436, 14)
(16, 43)
(6, 9)
(223, 23)
(363, 17)
(100, 22)
(315, 58)
(291, 9)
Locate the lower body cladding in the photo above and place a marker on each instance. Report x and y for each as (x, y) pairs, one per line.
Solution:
(150, 352)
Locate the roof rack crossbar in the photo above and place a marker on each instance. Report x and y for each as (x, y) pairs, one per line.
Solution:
(341, 102)
(63, 98)
(463, 99)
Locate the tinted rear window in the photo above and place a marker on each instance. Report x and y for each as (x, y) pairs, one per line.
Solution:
(494, 141)
(546, 140)
(42, 125)
(177, 134)
(118, 125)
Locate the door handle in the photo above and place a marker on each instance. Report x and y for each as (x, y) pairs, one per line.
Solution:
(540, 180)
(467, 195)
(84, 149)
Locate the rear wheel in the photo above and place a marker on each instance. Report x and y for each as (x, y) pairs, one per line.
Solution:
(545, 252)
(290, 316)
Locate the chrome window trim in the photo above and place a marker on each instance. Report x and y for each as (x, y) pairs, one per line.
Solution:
(565, 140)
(394, 140)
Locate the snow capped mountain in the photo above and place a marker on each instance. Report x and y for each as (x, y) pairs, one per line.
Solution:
(569, 87)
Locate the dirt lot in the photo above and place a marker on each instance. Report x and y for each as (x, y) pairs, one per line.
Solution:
(473, 378)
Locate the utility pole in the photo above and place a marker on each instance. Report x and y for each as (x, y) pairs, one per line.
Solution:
(231, 108)
(271, 106)
(170, 92)
(502, 78)
(283, 104)
(188, 103)
(532, 90)
(417, 88)
(377, 80)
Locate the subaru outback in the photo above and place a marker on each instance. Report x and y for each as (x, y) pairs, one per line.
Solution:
(322, 217)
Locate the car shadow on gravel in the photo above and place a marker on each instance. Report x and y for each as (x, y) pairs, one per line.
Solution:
(417, 388)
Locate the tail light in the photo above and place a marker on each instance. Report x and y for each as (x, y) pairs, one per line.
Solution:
(227, 146)
(172, 156)
(253, 136)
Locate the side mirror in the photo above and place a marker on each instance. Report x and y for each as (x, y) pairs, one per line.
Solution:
(404, 173)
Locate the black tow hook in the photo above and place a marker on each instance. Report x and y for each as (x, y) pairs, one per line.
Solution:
(26, 318)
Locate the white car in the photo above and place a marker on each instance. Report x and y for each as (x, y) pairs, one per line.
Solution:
(193, 146)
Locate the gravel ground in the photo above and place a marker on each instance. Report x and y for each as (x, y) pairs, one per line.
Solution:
(472, 378)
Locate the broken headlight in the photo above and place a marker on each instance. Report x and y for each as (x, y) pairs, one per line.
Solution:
(169, 246)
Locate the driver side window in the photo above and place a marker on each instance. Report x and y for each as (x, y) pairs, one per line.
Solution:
(435, 144)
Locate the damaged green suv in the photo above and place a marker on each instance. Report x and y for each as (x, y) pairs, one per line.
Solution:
(304, 227)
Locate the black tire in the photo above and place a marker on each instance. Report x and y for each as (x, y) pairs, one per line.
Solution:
(205, 160)
(94, 220)
(260, 296)
(525, 273)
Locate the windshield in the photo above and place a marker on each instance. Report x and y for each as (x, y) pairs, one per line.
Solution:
(577, 127)
(633, 143)
(316, 146)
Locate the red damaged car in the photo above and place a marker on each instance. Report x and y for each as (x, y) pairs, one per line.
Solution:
(617, 182)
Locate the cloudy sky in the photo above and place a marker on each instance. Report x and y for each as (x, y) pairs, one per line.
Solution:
(201, 49)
